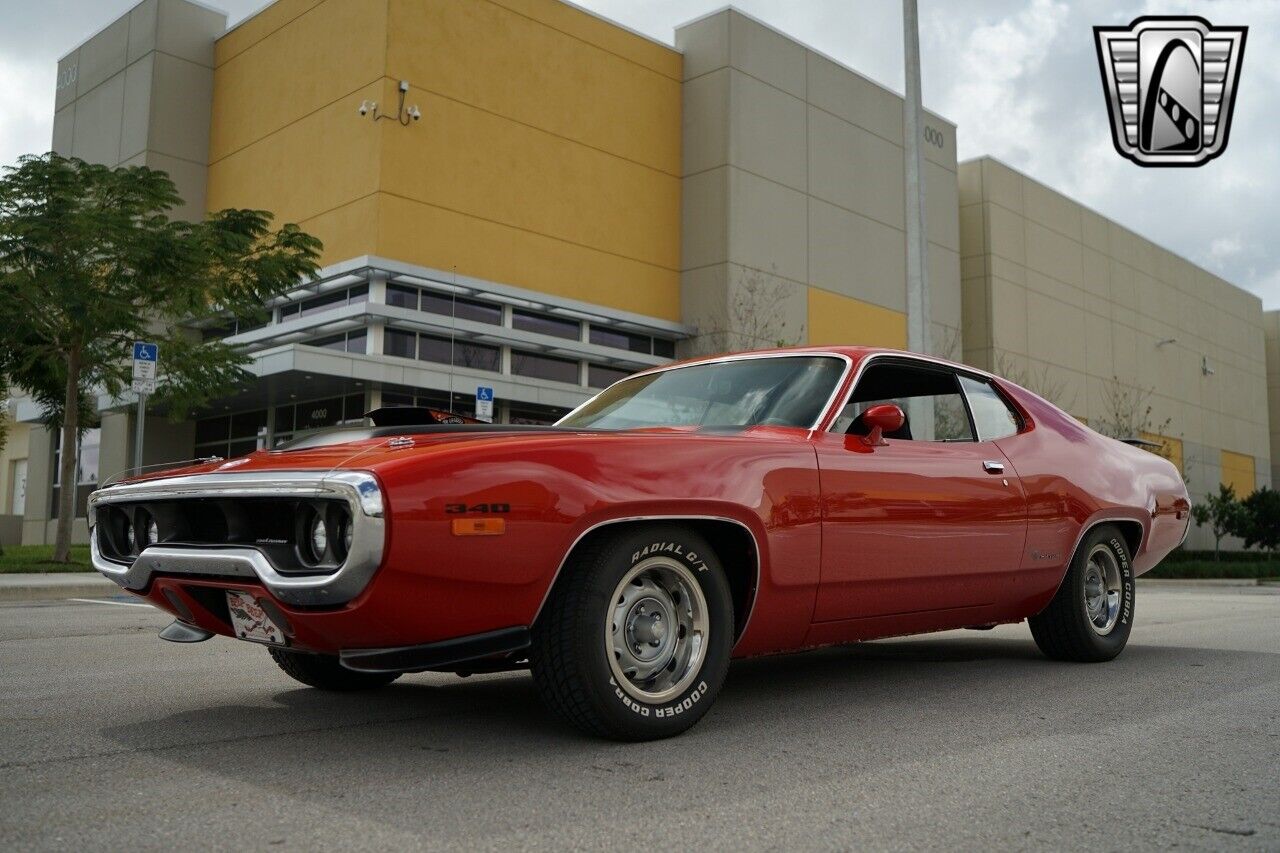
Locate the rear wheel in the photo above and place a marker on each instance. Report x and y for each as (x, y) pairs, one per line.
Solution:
(1090, 617)
(326, 672)
(634, 642)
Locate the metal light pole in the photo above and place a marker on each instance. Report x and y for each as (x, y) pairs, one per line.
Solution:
(921, 414)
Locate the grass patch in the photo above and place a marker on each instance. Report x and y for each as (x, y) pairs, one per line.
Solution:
(1198, 569)
(39, 558)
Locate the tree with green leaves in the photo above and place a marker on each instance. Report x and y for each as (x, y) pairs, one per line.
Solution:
(1223, 512)
(90, 262)
(1260, 519)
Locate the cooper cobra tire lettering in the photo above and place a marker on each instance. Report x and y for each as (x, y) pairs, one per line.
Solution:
(576, 657)
(1071, 627)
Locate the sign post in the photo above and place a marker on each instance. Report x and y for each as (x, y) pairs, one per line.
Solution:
(145, 357)
(484, 404)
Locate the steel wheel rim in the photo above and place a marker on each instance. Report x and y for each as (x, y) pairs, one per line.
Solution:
(656, 633)
(1102, 590)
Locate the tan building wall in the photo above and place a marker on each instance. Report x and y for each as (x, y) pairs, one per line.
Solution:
(1075, 306)
(793, 197)
(1271, 321)
(547, 156)
(138, 94)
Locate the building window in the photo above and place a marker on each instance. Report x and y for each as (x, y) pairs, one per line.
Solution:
(618, 339)
(87, 455)
(231, 435)
(399, 343)
(402, 297)
(528, 321)
(295, 418)
(544, 367)
(462, 308)
(531, 413)
(325, 302)
(462, 353)
(345, 342)
(599, 376)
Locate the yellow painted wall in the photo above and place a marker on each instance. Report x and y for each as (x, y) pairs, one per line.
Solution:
(1238, 472)
(548, 154)
(286, 136)
(836, 319)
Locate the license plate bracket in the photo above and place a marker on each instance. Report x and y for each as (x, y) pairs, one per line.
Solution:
(251, 622)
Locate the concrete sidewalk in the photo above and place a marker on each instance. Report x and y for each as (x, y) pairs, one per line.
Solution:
(36, 586)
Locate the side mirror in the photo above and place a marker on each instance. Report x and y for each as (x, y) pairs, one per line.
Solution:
(881, 419)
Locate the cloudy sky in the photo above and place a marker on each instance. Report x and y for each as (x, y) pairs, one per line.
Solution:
(1019, 77)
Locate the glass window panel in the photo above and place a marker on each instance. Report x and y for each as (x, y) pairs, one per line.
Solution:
(213, 429)
(464, 353)
(289, 311)
(899, 384)
(357, 341)
(464, 309)
(532, 413)
(664, 348)
(390, 398)
(402, 296)
(528, 321)
(353, 407)
(358, 294)
(606, 337)
(544, 367)
(991, 414)
(284, 418)
(323, 303)
(247, 424)
(320, 413)
(240, 448)
(338, 342)
(599, 376)
(397, 342)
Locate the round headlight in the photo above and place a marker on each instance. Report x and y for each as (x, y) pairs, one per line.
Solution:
(346, 535)
(130, 538)
(153, 532)
(319, 537)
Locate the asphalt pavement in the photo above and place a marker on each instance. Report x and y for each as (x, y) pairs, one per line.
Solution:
(111, 738)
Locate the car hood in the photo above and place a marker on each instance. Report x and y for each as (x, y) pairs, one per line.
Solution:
(376, 451)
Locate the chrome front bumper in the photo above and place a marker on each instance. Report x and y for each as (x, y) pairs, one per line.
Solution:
(359, 489)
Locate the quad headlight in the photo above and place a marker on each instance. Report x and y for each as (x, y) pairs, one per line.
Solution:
(319, 537)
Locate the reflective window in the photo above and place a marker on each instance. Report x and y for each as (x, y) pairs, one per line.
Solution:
(528, 321)
(599, 376)
(784, 391)
(402, 296)
(448, 305)
(991, 414)
(400, 343)
(607, 337)
(544, 367)
(462, 353)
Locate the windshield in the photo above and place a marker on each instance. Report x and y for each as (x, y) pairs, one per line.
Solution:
(778, 391)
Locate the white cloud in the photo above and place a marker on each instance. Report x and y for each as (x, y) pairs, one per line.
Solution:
(26, 108)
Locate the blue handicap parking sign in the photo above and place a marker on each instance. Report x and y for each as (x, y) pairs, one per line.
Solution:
(484, 394)
(145, 352)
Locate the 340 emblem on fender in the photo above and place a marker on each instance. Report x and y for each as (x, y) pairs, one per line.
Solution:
(459, 509)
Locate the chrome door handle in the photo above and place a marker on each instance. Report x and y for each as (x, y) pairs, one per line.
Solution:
(993, 467)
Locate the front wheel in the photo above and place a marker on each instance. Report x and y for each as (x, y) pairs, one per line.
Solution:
(1090, 617)
(634, 642)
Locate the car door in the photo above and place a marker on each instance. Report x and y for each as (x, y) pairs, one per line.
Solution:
(910, 525)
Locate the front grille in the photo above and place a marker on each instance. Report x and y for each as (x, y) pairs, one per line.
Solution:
(277, 527)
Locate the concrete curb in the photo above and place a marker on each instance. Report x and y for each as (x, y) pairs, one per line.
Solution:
(45, 587)
(1190, 583)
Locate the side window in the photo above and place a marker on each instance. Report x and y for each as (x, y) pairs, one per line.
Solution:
(903, 385)
(991, 414)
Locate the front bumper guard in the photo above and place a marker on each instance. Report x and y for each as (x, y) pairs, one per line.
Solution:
(359, 489)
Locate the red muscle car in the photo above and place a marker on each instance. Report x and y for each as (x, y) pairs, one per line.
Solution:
(717, 508)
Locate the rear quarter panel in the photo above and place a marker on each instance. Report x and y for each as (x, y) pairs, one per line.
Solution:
(1076, 478)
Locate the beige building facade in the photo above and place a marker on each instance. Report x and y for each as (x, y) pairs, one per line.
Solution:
(1107, 324)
